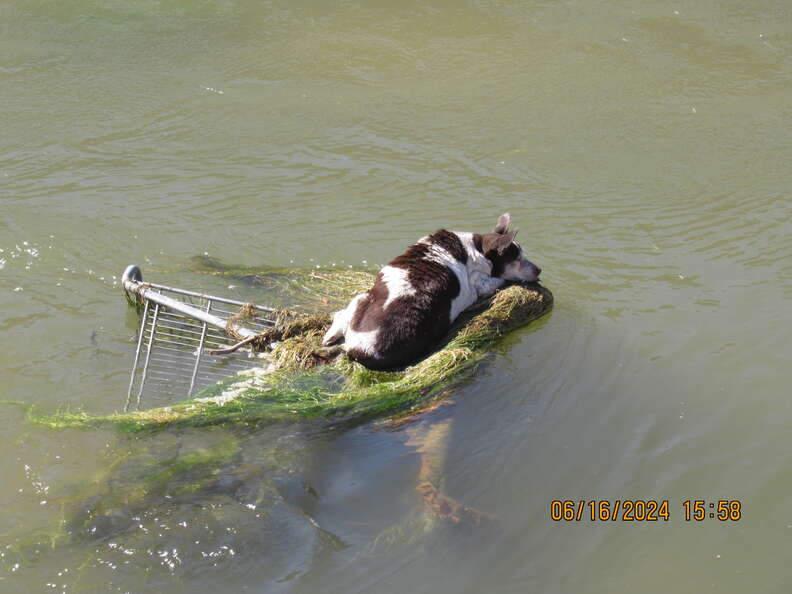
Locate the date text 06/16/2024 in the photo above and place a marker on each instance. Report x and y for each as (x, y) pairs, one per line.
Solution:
(643, 510)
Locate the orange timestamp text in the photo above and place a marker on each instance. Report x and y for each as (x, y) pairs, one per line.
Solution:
(642, 510)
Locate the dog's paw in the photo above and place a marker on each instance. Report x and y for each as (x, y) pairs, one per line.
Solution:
(332, 337)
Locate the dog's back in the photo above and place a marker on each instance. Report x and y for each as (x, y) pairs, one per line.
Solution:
(418, 295)
(410, 305)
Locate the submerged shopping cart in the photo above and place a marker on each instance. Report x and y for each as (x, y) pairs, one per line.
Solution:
(178, 330)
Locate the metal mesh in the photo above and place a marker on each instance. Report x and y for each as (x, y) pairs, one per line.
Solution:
(171, 358)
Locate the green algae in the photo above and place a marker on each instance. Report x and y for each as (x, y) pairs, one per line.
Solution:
(138, 476)
(343, 392)
(147, 477)
(156, 471)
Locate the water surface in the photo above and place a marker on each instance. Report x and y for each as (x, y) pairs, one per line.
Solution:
(643, 150)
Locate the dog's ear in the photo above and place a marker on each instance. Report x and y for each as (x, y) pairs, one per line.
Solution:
(503, 224)
(497, 242)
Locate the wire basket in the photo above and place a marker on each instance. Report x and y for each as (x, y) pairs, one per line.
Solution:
(177, 329)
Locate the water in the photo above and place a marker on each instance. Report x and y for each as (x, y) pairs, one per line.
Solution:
(644, 152)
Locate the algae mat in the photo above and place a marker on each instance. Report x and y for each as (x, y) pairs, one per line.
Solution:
(251, 481)
(342, 392)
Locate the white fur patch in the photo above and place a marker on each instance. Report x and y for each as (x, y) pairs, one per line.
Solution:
(479, 268)
(467, 294)
(363, 341)
(397, 282)
(341, 321)
(487, 286)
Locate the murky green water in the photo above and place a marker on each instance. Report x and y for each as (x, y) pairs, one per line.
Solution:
(643, 149)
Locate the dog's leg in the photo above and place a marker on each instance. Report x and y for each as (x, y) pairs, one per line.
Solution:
(335, 334)
(326, 354)
(488, 286)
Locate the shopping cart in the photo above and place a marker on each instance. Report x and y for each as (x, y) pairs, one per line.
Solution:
(178, 329)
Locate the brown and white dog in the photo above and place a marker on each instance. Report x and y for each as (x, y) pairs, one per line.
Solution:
(418, 295)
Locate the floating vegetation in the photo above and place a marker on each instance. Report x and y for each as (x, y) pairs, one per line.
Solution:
(341, 392)
(208, 494)
(228, 480)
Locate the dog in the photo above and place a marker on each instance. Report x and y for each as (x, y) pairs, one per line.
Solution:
(419, 294)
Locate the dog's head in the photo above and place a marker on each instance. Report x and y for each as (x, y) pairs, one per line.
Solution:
(506, 255)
